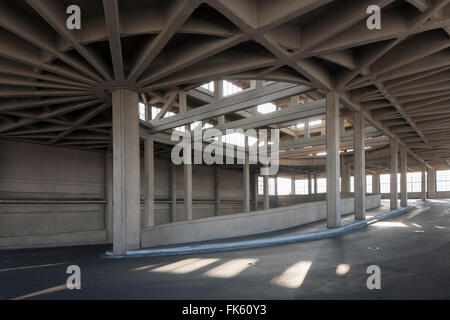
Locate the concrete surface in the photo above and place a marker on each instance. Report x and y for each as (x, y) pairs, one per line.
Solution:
(245, 224)
(412, 250)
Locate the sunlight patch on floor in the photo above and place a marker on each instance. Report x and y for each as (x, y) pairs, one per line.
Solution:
(293, 276)
(231, 268)
(185, 266)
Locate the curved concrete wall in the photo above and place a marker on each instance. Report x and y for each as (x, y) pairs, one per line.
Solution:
(244, 224)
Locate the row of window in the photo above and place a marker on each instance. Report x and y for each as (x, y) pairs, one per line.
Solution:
(414, 184)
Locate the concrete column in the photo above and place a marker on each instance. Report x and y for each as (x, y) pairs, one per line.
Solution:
(149, 176)
(431, 183)
(266, 193)
(217, 189)
(333, 160)
(187, 158)
(254, 188)
(345, 176)
(315, 183)
(218, 89)
(310, 186)
(246, 178)
(376, 183)
(342, 125)
(173, 192)
(359, 166)
(306, 129)
(423, 194)
(109, 196)
(394, 171)
(126, 168)
(403, 177)
(293, 186)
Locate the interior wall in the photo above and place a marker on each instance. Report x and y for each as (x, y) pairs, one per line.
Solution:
(50, 195)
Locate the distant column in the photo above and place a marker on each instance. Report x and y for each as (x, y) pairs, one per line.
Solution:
(431, 183)
(333, 160)
(310, 186)
(345, 176)
(187, 156)
(173, 192)
(423, 194)
(315, 183)
(266, 193)
(246, 178)
(149, 176)
(109, 195)
(359, 166)
(217, 190)
(376, 183)
(403, 177)
(394, 172)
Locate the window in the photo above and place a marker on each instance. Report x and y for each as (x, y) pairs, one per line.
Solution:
(369, 184)
(142, 112)
(284, 186)
(301, 186)
(414, 181)
(267, 108)
(385, 183)
(230, 88)
(322, 185)
(208, 86)
(272, 187)
(260, 185)
(443, 180)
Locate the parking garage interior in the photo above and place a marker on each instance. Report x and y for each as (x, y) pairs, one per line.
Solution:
(359, 117)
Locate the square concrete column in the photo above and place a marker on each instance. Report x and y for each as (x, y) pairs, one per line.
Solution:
(403, 177)
(266, 193)
(293, 186)
(109, 195)
(217, 190)
(310, 181)
(315, 183)
(345, 176)
(173, 192)
(246, 178)
(306, 130)
(394, 172)
(149, 176)
(376, 183)
(333, 160)
(359, 166)
(126, 168)
(423, 194)
(187, 156)
(431, 183)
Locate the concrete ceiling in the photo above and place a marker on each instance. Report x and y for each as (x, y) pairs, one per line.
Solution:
(55, 84)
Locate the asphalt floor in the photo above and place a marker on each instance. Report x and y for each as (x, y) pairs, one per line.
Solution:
(411, 250)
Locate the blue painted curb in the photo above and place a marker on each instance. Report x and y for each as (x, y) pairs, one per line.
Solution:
(258, 243)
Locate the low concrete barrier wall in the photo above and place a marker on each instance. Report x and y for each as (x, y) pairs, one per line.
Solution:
(244, 224)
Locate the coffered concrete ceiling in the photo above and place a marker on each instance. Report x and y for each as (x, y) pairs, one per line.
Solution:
(55, 84)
